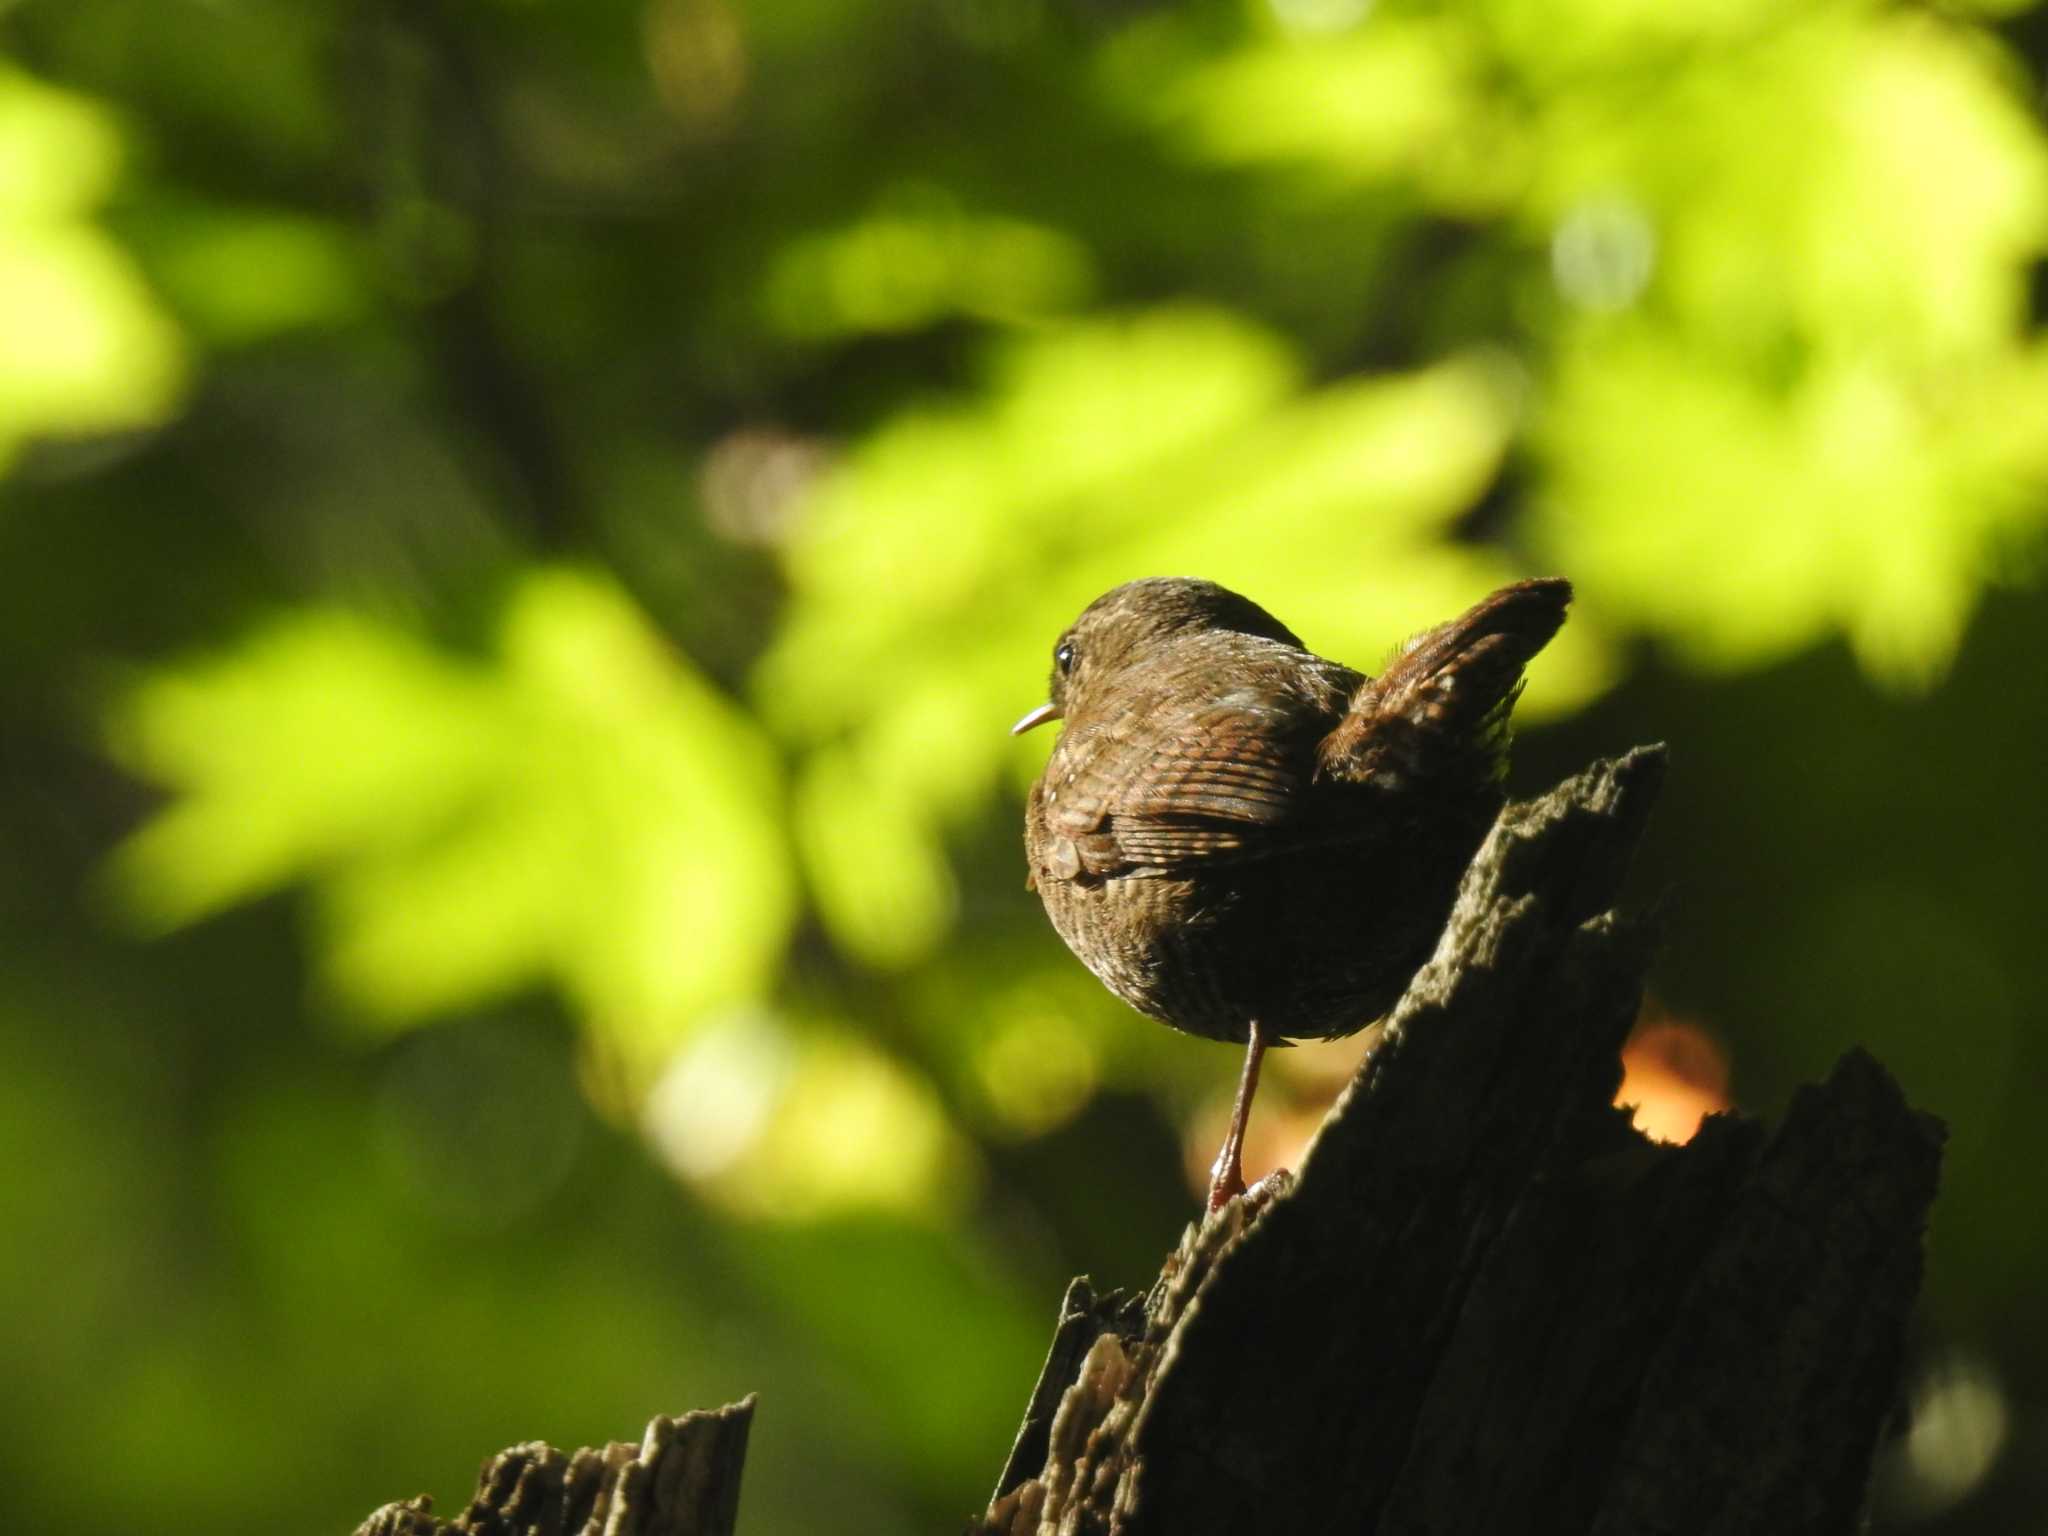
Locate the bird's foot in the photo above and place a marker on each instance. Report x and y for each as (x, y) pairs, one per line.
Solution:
(1226, 1178)
(1227, 1184)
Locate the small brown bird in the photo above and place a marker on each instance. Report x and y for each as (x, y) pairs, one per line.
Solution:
(1251, 843)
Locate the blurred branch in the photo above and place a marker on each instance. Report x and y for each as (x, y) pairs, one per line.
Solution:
(444, 148)
(683, 1479)
(1487, 1302)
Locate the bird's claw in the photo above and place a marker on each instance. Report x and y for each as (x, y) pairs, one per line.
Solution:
(1224, 1190)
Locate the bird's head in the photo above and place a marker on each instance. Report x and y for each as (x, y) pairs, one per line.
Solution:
(1131, 622)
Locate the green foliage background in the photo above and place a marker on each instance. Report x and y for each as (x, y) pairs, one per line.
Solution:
(522, 526)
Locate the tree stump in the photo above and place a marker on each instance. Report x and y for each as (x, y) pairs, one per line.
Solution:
(1485, 1303)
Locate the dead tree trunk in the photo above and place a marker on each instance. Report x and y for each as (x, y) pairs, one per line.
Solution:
(1486, 1303)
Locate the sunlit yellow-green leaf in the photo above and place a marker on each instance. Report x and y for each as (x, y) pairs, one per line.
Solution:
(1810, 427)
(243, 275)
(323, 734)
(1744, 522)
(878, 878)
(1852, 178)
(1399, 99)
(61, 152)
(575, 807)
(1944, 176)
(1579, 42)
(917, 258)
(1820, 225)
(87, 349)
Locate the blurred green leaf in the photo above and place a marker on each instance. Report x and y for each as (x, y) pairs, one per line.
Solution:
(917, 258)
(62, 150)
(87, 348)
(1401, 99)
(1855, 502)
(577, 808)
(242, 276)
(1823, 222)
(1811, 425)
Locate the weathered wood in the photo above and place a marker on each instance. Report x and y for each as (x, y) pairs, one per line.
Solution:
(1488, 1303)
(682, 1479)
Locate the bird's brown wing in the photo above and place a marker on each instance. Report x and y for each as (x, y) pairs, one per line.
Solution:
(1153, 793)
(1439, 711)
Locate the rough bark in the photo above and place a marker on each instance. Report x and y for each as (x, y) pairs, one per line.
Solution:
(1487, 1303)
(682, 1479)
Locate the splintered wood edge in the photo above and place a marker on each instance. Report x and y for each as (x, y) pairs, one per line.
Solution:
(682, 1479)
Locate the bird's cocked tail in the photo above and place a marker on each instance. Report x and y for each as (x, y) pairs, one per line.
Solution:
(1440, 709)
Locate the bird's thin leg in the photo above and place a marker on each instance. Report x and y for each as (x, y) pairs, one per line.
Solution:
(1227, 1177)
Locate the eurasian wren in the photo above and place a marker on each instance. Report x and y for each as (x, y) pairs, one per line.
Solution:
(1249, 842)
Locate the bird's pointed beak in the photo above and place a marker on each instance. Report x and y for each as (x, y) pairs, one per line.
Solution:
(1036, 718)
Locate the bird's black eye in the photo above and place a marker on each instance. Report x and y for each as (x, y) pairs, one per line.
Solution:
(1063, 657)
